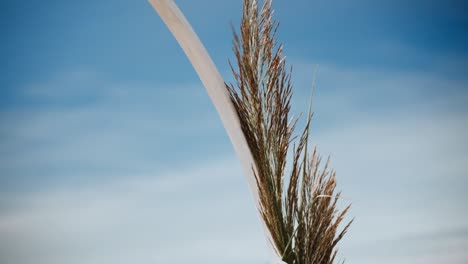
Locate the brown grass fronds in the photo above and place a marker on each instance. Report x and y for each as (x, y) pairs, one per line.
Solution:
(300, 209)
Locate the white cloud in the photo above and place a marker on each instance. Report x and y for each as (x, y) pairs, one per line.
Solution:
(202, 215)
(405, 175)
(404, 168)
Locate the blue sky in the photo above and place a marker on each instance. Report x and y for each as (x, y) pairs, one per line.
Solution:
(111, 151)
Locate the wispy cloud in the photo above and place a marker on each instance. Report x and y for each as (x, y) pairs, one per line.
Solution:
(198, 214)
(155, 179)
(124, 127)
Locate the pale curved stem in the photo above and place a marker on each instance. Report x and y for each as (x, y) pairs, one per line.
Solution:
(215, 86)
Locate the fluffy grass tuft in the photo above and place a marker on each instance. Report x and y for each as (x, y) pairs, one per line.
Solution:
(299, 207)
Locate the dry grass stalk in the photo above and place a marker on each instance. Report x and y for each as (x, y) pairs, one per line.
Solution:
(214, 84)
(299, 210)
